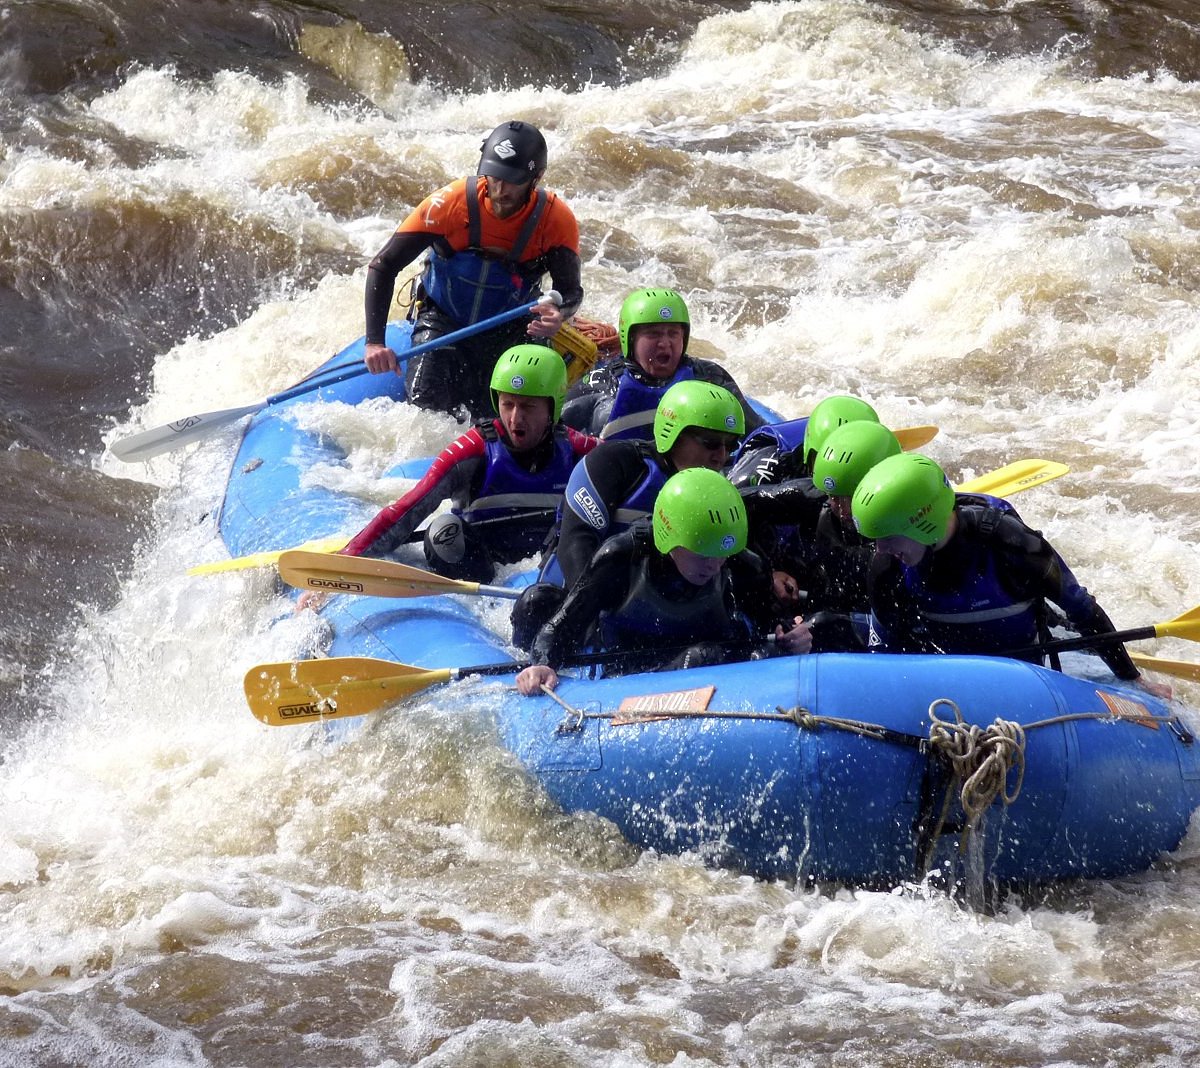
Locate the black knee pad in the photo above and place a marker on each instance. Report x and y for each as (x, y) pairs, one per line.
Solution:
(758, 467)
(451, 549)
(445, 540)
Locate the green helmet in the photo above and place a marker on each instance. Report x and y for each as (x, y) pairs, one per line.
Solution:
(700, 510)
(906, 495)
(644, 306)
(827, 416)
(530, 371)
(850, 452)
(696, 403)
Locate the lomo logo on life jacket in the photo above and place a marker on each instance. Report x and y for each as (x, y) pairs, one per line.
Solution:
(591, 510)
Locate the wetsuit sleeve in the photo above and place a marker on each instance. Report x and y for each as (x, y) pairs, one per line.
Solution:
(590, 399)
(753, 601)
(601, 379)
(398, 253)
(1035, 565)
(578, 412)
(707, 371)
(1085, 615)
(454, 471)
(561, 256)
(566, 276)
(602, 586)
(598, 484)
(796, 502)
(843, 560)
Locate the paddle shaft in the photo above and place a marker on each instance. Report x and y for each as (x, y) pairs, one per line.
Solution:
(602, 657)
(334, 545)
(334, 375)
(349, 686)
(168, 436)
(1084, 641)
(495, 521)
(1181, 669)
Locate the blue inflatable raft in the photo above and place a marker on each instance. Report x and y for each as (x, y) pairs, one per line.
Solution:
(868, 769)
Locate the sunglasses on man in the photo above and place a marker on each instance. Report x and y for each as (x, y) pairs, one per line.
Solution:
(712, 442)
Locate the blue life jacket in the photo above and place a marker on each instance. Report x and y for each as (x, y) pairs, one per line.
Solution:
(583, 499)
(634, 405)
(977, 614)
(509, 490)
(476, 284)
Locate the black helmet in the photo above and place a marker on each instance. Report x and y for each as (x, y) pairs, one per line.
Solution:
(513, 152)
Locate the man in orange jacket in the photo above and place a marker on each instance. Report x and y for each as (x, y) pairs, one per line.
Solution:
(491, 238)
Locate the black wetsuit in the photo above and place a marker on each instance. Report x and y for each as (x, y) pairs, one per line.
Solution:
(616, 469)
(697, 624)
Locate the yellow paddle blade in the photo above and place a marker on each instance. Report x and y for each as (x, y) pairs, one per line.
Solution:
(308, 691)
(360, 574)
(1181, 669)
(1184, 626)
(913, 437)
(266, 559)
(1014, 477)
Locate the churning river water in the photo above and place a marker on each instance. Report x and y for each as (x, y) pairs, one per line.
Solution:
(983, 214)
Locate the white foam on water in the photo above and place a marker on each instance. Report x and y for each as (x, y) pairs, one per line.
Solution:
(151, 820)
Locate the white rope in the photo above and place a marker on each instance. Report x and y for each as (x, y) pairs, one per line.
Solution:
(981, 757)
